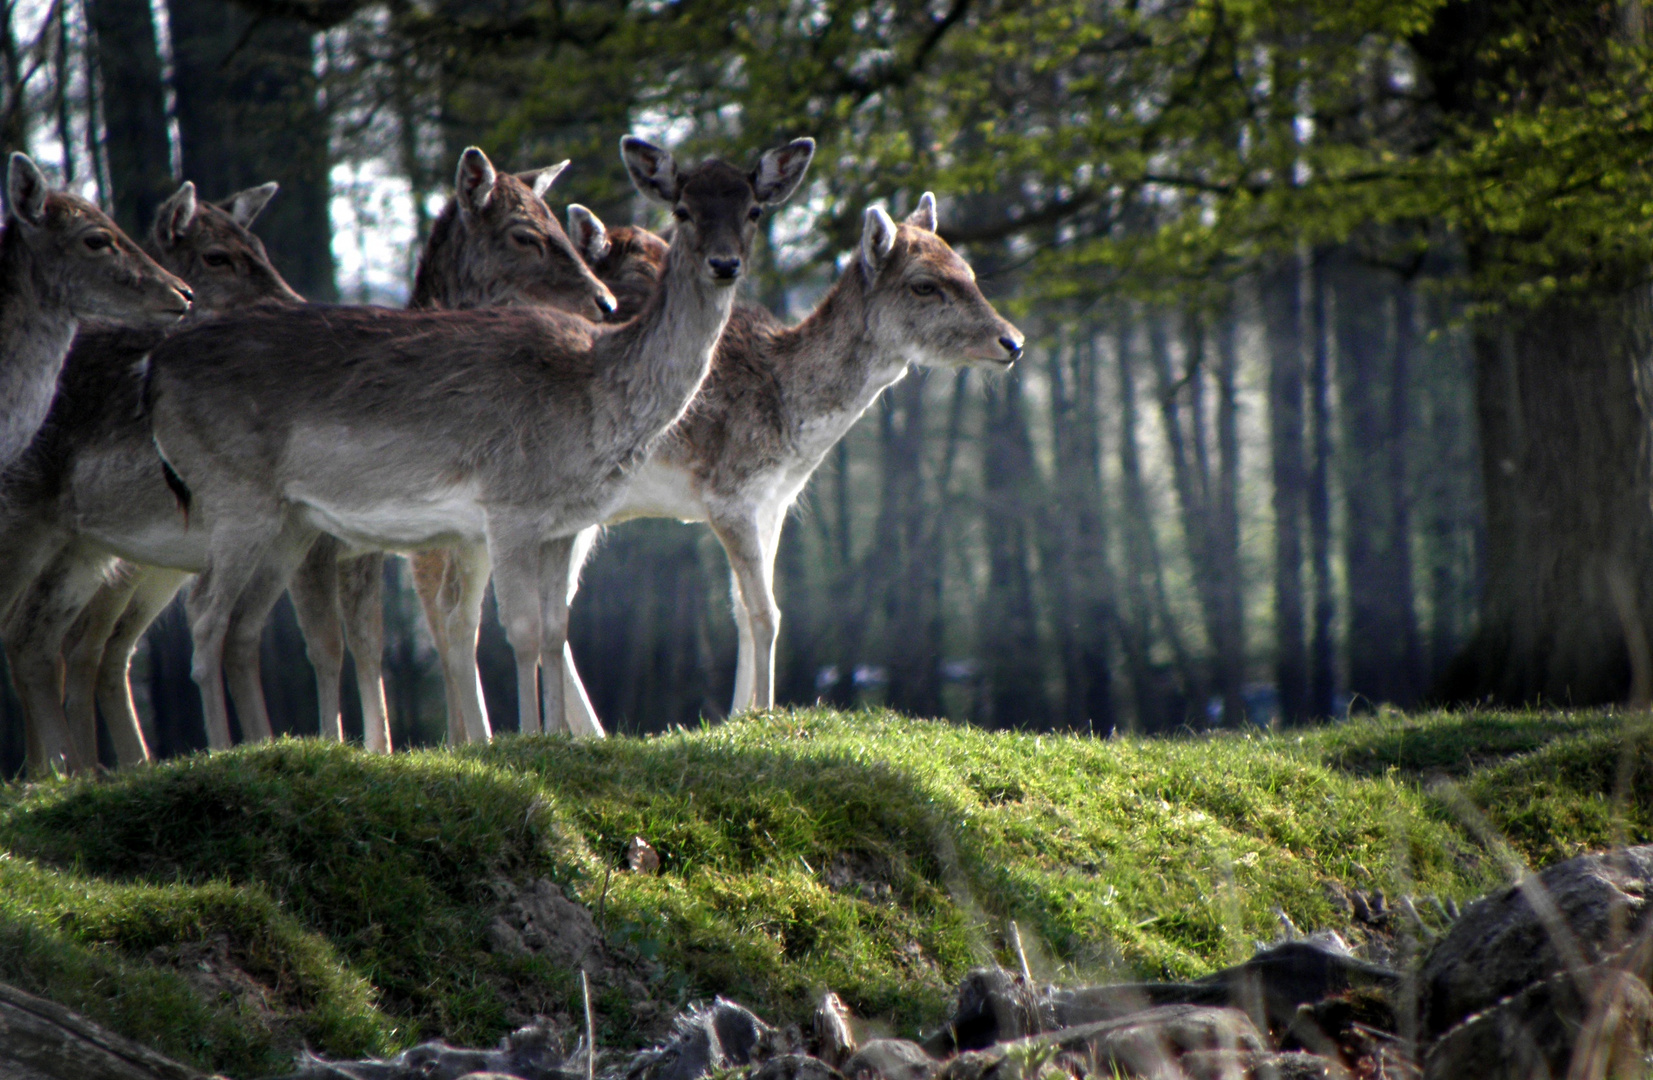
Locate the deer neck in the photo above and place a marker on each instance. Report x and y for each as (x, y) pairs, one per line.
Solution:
(36, 329)
(836, 370)
(669, 349)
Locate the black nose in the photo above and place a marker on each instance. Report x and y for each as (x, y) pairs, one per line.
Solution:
(1011, 346)
(187, 292)
(724, 268)
(605, 304)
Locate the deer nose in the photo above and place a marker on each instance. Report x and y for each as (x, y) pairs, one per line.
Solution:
(1013, 346)
(725, 269)
(605, 302)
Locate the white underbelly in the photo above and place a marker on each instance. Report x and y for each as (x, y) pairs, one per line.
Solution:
(169, 545)
(452, 518)
(657, 491)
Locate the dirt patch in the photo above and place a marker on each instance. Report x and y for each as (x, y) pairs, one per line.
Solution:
(219, 972)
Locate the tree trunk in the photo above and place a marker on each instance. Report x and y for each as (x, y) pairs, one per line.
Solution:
(249, 111)
(1011, 655)
(136, 146)
(1229, 586)
(907, 557)
(1322, 644)
(1568, 594)
(1283, 321)
(41, 1040)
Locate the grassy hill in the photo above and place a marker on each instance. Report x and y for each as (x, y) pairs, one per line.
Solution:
(229, 908)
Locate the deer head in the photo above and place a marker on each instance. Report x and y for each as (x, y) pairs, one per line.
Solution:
(212, 248)
(922, 299)
(716, 206)
(628, 259)
(82, 258)
(497, 243)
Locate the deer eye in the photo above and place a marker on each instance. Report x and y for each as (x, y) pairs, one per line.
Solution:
(98, 242)
(216, 259)
(925, 288)
(525, 239)
(754, 213)
(680, 214)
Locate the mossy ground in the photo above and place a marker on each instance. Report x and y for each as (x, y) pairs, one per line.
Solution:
(802, 851)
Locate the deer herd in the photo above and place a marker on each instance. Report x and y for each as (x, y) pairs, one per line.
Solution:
(206, 422)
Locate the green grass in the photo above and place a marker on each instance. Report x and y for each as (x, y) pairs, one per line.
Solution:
(802, 851)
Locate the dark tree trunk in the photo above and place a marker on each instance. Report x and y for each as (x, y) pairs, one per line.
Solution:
(1383, 633)
(907, 556)
(1229, 586)
(1322, 643)
(136, 147)
(248, 112)
(178, 727)
(1283, 321)
(1563, 434)
(1079, 582)
(1011, 655)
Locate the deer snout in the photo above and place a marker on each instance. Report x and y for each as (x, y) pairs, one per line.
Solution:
(724, 270)
(1012, 344)
(606, 304)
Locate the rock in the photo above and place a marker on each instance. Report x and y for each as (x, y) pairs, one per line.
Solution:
(1595, 1026)
(530, 1053)
(993, 1006)
(1592, 906)
(833, 1040)
(890, 1059)
(41, 1040)
(1269, 987)
(540, 920)
(705, 1039)
(795, 1067)
(1146, 1043)
(1256, 1065)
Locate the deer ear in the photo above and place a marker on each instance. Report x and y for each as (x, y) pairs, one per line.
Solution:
(877, 239)
(924, 215)
(587, 231)
(26, 189)
(542, 179)
(474, 183)
(175, 215)
(781, 170)
(245, 206)
(652, 169)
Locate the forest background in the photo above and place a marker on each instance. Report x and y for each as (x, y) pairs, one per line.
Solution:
(1338, 323)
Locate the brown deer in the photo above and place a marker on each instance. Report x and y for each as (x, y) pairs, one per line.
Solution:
(503, 430)
(629, 261)
(62, 260)
(495, 244)
(778, 398)
(90, 487)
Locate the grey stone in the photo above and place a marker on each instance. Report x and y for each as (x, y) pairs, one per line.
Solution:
(720, 1036)
(795, 1067)
(1145, 1043)
(1593, 907)
(530, 1053)
(891, 1059)
(1597, 1025)
(1256, 1065)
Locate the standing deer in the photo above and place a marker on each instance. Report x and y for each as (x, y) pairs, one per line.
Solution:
(90, 488)
(503, 430)
(495, 244)
(778, 398)
(629, 260)
(62, 260)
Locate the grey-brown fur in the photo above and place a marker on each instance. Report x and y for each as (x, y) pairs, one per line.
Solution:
(478, 255)
(778, 398)
(90, 487)
(404, 429)
(62, 260)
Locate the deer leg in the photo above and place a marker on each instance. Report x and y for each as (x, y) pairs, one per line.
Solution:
(29, 549)
(745, 650)
(154, 590)
(246, 632)
(518, 564)
(362, 603)
(83, 657)
(557, 566)
(749, 545)
(36, 632)
(451, 584)
(582, 718)
(239, 550)
(315, 592)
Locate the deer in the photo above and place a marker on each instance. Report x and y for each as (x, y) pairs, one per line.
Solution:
(62, 260)
(629, 260)
(530, 259)
(494, 244)
(500, 431)
(90, 488)
(779, 398)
